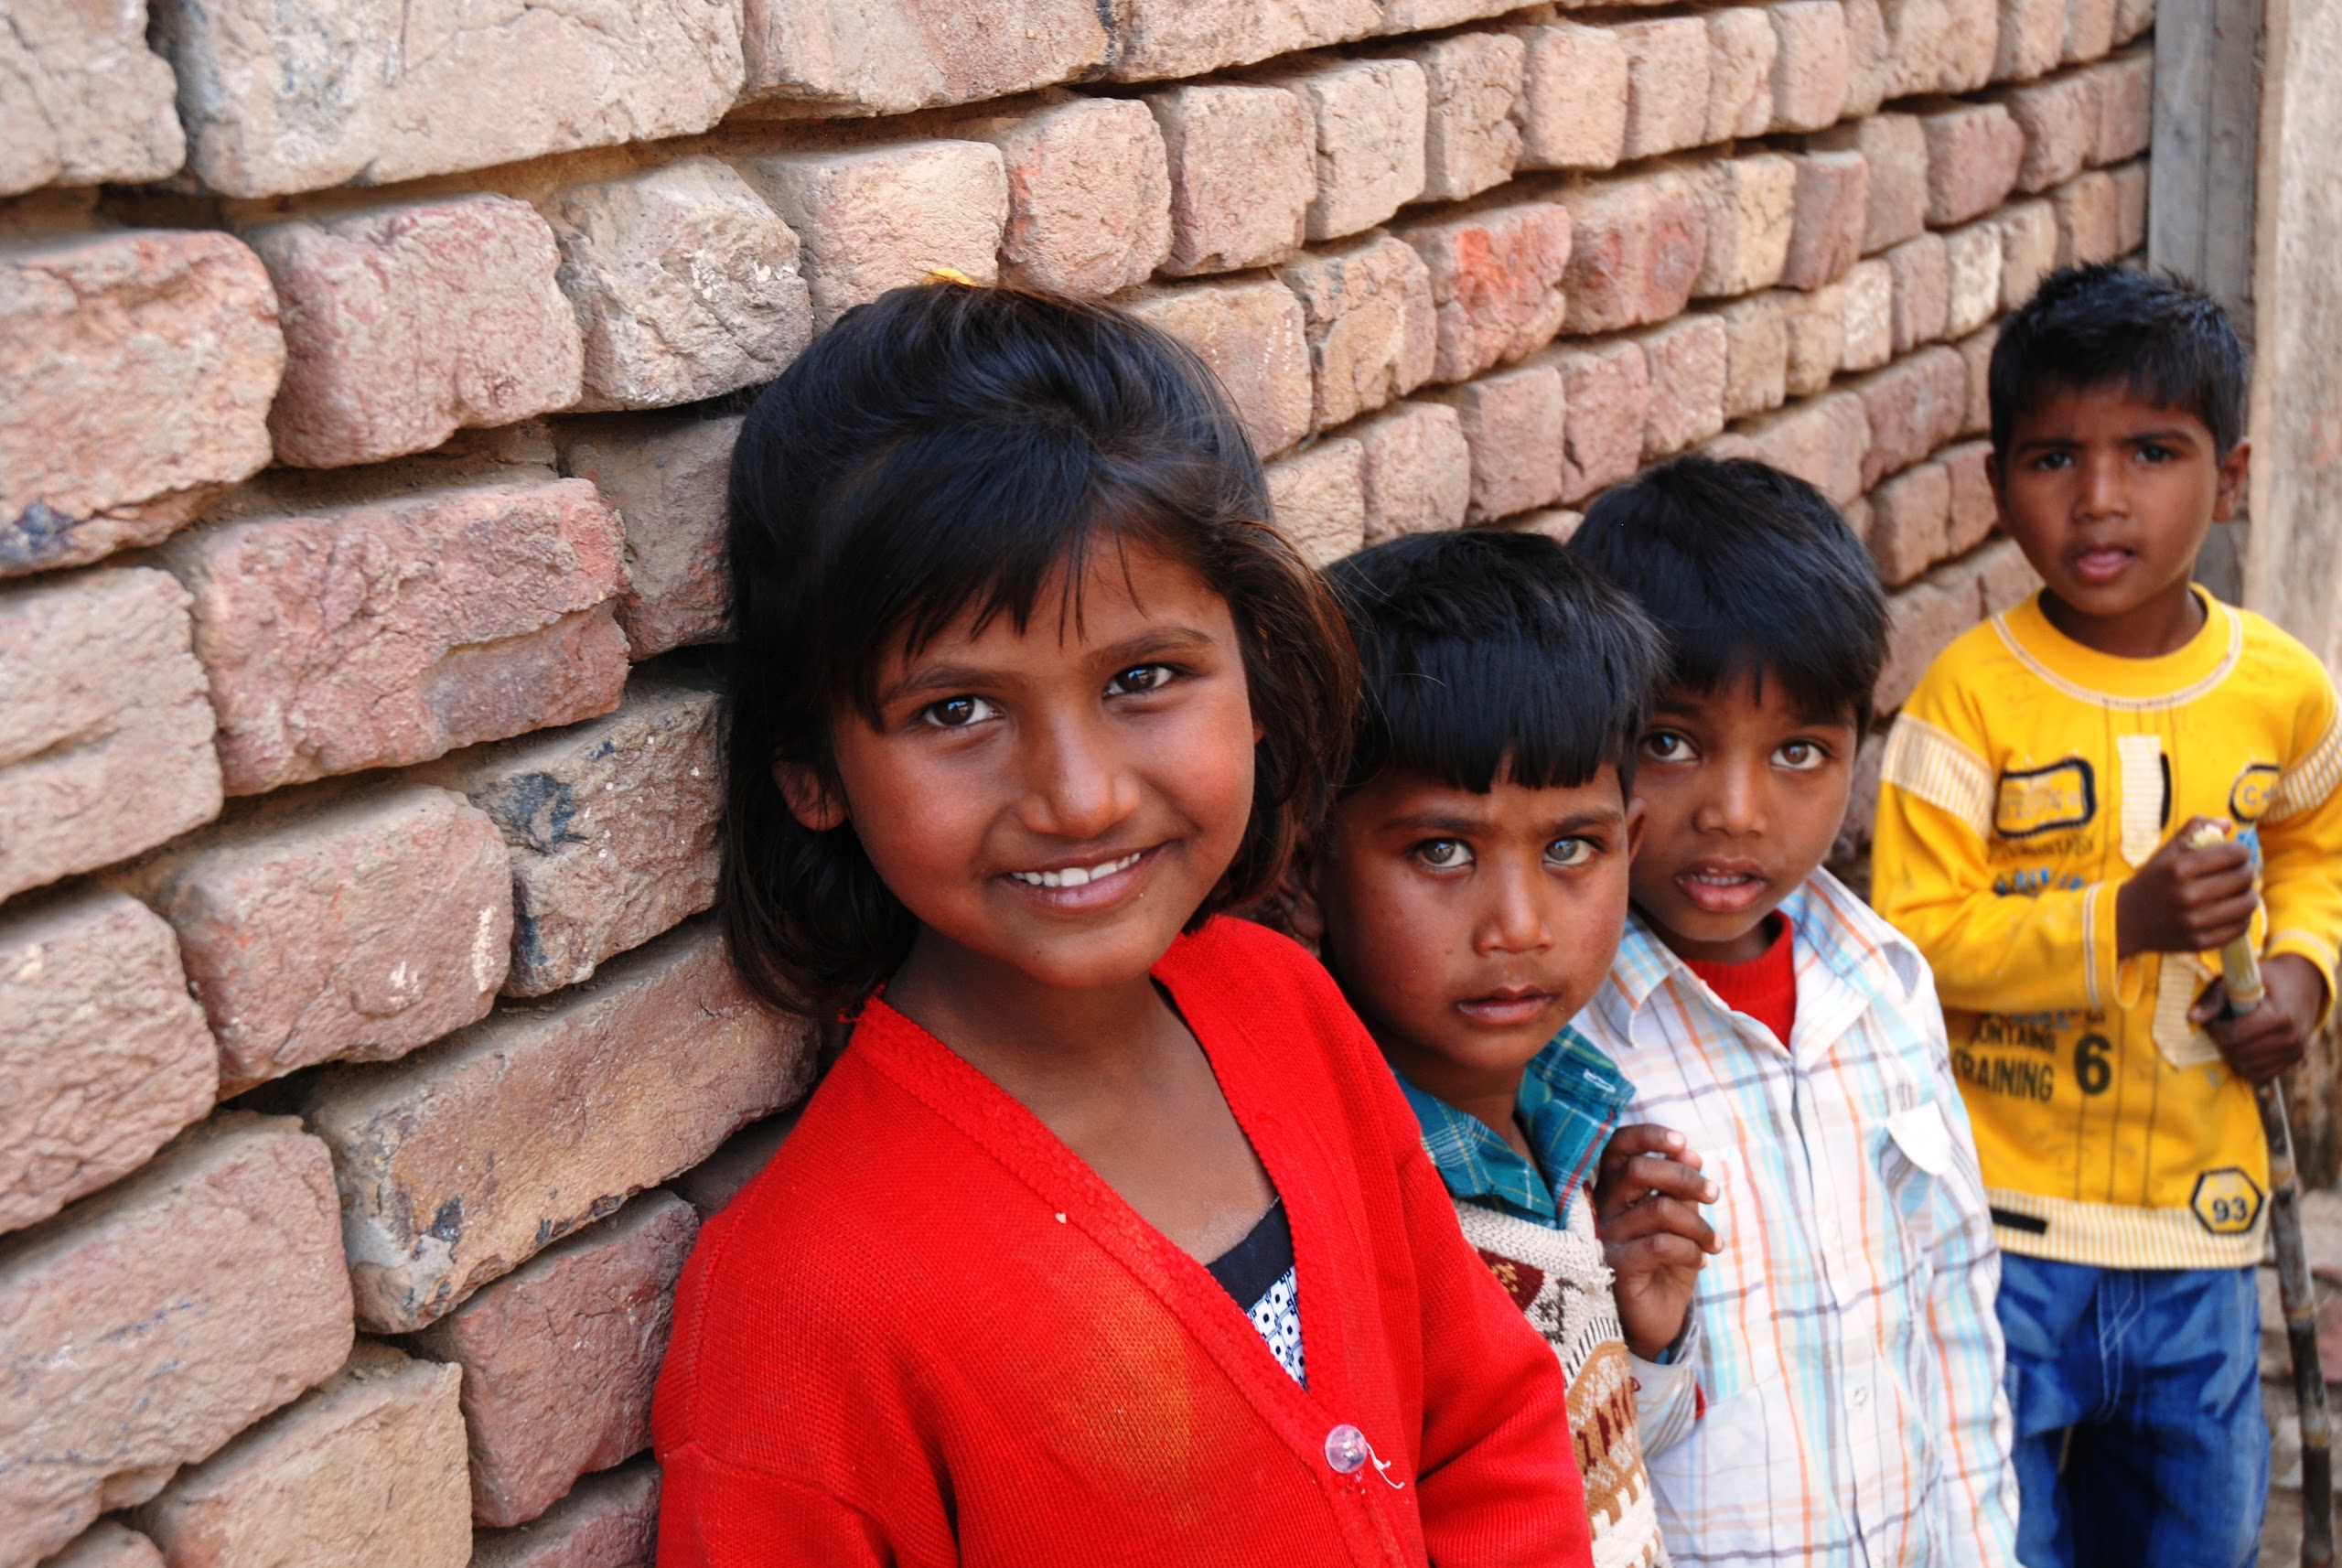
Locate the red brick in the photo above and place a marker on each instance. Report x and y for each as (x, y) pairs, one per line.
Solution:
(1757, 355)
(1243, 173)
(1976, 353)
(1687, 379)
(1870, 59)
(1914, 406)
(872, 219)
(1830, 216)
(1416, 471)
(106, 1544)
(405, 324)
(665, 477)
(901, 55)
(1922, 273)
(1742, 53)
(88, 102)
(1667, 84)
(1910, 514)
(1974, 151)
(2090, 218)
(1749, 204)
(1820, 440)
(1815, 326)
(1896, 199)
(1318, 499)
(1638, 244)
(2028, 249)
(105, 735)
(139, 369)
(325, 655)
(1513, 422)
(609, 827)
(2004, 578)
(2130, 205)
(1422, 15)
(149, 1323)
(1088, 195)
(1971, 512)
(1605, 395)
(1154, 39)
(710, 1186)
(1921, 621)
(602, 1298)
(2060, 119)
(1252, 335)
(1868, 311)
(2126, 105)
(2032, 38)
(1497, 282)
(1373, 330)
(1940, 46)
(2090, 30)
(106, 1055)
(2132, 17)
(1368, 118)
(1972, 258)
(1574, 96)
(366, 1468)
(462, 1162)
(1811, 64)
(611, 1520)
(1471, 135)
(355, 930)
(1557, 523)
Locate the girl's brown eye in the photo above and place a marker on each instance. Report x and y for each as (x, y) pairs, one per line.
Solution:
(1140, 677)
(957, 712)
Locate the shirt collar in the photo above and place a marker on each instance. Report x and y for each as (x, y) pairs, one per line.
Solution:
(1570, 1096)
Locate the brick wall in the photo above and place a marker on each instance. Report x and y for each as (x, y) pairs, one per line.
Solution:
(365, 390)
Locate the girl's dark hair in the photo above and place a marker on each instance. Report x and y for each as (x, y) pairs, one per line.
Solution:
(946, 448)
(1748, 571)
(1485, 651)
(2101, 326)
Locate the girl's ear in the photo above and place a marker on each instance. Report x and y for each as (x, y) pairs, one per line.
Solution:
(817, 805)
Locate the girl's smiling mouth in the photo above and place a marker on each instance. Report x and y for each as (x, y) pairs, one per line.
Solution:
(1078, 875)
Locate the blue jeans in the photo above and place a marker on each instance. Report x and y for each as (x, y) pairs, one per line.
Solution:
(2137, 1397)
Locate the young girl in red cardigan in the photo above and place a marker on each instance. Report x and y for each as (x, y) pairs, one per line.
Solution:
(1108, 1237)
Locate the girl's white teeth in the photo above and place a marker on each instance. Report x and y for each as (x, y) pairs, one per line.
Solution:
(1074, 875)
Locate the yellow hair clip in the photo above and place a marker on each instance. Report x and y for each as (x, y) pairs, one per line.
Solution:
(950, 274)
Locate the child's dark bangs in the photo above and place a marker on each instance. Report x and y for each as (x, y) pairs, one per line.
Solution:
(1466, 712)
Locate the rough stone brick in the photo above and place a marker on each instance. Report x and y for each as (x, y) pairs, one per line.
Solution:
(609, 1520)
(901, 55)
(86, 101)
(2004, 578)
(2089, 30)
(1830, 215)
(1471, 134)
(1749, 204)
(1368, 121)
(106, 1544)
(279, 100)
(2032, 38)
(1512, 423)
(354, 931)
(1822, 440)
(1557, 523)
(1757, 355)
(1687, 378)
(147, 1325)
(405, 324)
(366, 1468)
(1921, 621)
(1574, 96)
(2090, 218)
(1497, 282)
(1667, 84)
(1940, 46)
(872, 219)
(1922, 279)
(2060, 121)
(463, 1161)
(1416, 471)
(2132, 17)
(1973, 153)
(1088, 195)
(1914, 406)
(1373, 330)
(710, 1186)
(1972, 255)
(1895, 200)
(1909, 515)
(1976, 354)
(2131, 206)
(1424, 16)
(325, 656)
(1243, 173)
(1319, 499)
(1637, 247)
(2126, 105)
(1252, 337)
(1155, 39)
(1742, 51)
(1605, 398)
(685, 283)
(609, 826)
(139, 369)
(1870, 58)
(105, 1056)
(603, 1298)
(105, 735)
(1970, 513)
(665, 477)
(1815, 325)
(1811, 65)
(2028, 250)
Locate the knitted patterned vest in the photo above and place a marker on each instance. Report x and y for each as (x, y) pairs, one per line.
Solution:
(1559, 1279)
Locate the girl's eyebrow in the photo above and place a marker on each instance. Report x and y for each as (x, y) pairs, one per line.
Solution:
(949, 677)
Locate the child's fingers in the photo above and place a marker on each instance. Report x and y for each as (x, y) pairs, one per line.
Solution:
(1648, 1173)
(1654, 1255)
(1639, 1139)
(1661, 1216)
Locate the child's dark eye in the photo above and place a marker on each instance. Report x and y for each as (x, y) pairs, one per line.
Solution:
(1801, 755)
(2050, 462)
(1568, 852)
(2153, 452)
(1444, 855)
(1140, 677)
(1664, 745)
(957, 712)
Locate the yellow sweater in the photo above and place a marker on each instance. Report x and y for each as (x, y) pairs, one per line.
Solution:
(2026, 781)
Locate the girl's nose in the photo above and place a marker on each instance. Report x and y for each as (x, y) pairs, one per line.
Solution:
(1075, 784)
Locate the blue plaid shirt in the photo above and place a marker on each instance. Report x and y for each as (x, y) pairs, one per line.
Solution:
(1570, 1098)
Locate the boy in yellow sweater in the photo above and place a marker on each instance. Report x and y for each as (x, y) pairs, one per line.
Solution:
(2041, 791)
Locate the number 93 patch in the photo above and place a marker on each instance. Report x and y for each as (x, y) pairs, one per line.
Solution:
(2227, 1203)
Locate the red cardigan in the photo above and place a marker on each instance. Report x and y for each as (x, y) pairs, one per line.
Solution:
(929, 1334)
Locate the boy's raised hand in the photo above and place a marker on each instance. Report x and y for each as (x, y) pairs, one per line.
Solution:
(2186, 899)
(2265, 1042)
(1645, 1197)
